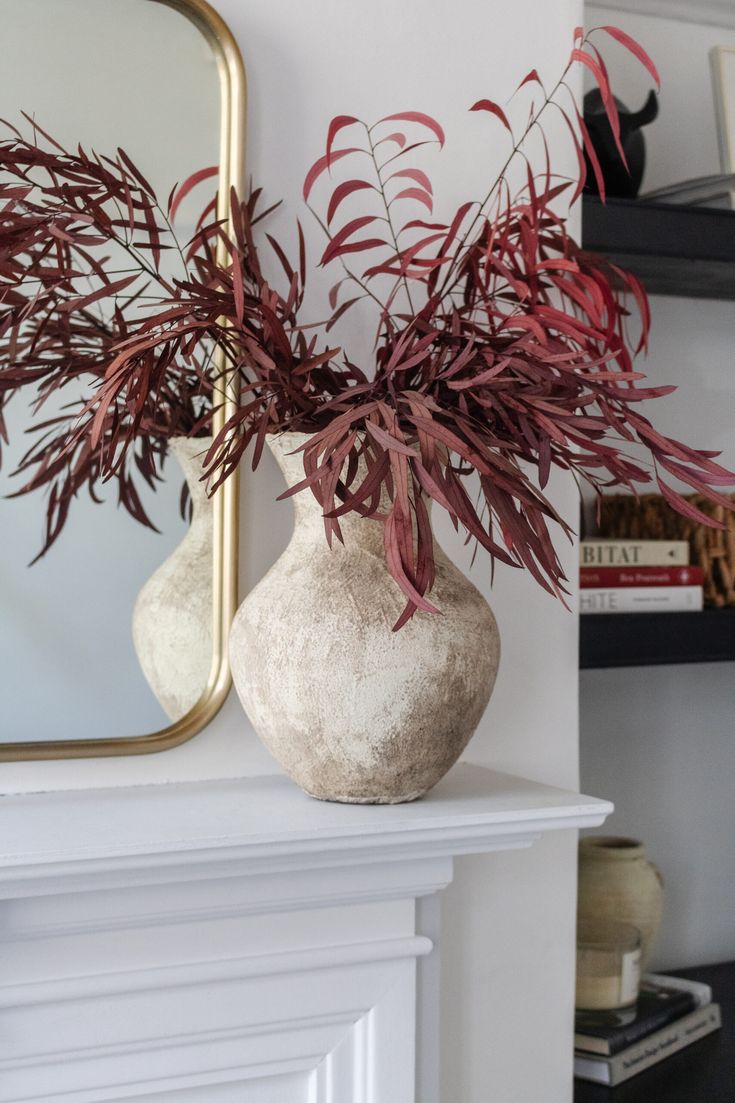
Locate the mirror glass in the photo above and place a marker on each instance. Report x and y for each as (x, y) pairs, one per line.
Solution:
(109, 632)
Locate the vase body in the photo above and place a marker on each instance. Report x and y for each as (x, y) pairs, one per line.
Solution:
(351, 710)
(617, 882)
(172, 618)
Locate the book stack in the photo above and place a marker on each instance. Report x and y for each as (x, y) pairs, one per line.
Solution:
(671, 1013)
(638, 576)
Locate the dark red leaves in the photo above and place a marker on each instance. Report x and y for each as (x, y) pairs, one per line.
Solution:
(501, 350)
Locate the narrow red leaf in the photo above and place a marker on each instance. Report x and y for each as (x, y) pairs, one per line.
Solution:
(592, 157)
(342, 191)
(356, 247)
(337, 124)
(340, 311)
(529, 78)
(417, 117)
(238, 289)
(188, 185)
(419, 195)
(396, 138)
(321, 164)
(598, 72)
(635, 48)
(687, 509)
(107, 290)
(414, 174)
(493, 109)
(342, 235)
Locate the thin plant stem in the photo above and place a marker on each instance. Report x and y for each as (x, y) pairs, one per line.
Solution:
(386, 205)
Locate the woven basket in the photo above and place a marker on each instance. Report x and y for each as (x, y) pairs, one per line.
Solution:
(649, 517)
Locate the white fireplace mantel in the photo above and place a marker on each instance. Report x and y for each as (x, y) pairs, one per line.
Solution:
(237, 941)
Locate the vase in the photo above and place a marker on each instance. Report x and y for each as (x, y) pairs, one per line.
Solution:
(353, 711)
(617, 882)
(172, 617)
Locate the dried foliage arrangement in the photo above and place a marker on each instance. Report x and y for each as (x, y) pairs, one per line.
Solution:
(82, 239)
(502, 349)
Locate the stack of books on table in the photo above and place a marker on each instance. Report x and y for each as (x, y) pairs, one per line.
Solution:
(671, 1013)
(638, 576)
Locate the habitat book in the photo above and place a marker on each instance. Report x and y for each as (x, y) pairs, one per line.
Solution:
(634, 553)
(642, 599)
(610, 577)
(649, 1051)
(659, 1003)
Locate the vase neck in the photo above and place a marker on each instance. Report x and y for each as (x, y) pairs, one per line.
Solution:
(308, 513)
(610, 848)
(190, 453)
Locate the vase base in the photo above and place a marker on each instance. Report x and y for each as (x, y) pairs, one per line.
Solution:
(342, 798)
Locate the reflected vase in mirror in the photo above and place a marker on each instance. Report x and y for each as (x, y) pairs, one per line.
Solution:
(172, 618)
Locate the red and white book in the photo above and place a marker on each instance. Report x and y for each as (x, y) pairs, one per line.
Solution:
(607, 578)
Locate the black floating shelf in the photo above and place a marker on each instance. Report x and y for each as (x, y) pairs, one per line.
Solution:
(656, 639)
(686, 251)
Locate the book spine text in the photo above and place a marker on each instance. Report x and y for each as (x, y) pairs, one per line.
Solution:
(642, 599)
(609, 577)
(634, 553)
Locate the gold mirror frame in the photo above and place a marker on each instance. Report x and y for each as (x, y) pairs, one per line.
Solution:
(225, 501)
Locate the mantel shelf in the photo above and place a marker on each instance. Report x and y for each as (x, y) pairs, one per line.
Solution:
(239, 937)
(267, 823)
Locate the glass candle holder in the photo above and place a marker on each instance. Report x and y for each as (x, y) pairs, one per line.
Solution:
(608, 965)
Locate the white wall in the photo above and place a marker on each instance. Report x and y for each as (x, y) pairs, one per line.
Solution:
(508, 920)
(659, 741)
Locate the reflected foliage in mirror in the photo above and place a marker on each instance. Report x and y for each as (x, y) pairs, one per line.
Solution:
(106, 582)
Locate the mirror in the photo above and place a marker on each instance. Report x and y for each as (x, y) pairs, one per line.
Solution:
(113, 640)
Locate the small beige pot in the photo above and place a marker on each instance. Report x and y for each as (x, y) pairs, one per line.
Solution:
(172, 618)
(617, 882)
(353, 711)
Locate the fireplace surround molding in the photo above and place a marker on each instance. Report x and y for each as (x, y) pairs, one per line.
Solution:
(237, 942)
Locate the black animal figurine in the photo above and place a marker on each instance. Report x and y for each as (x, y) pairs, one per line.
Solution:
(619, 181)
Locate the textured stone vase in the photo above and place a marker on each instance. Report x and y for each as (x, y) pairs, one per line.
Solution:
(172, 618)
(616, 881)
(351, 710)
